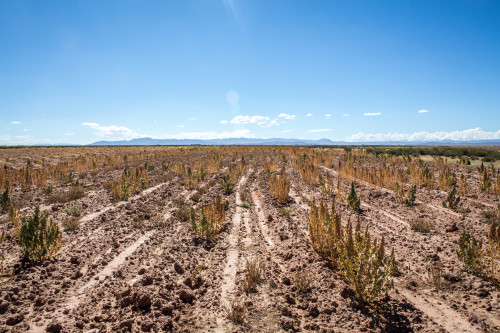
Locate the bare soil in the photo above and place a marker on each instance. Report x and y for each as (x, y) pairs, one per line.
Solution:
(135, 265)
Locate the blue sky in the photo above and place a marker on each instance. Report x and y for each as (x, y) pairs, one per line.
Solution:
(83, 71)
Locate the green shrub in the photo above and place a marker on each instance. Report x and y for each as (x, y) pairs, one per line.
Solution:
(411, 195)
(227, 184)
(39, 237)
(75, 210)
(485, 183)
(361, 260)
(353, 200)
(452, 199)
(470, 253)
(5, 201)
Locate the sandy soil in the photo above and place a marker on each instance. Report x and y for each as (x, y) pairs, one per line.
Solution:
(121, 272)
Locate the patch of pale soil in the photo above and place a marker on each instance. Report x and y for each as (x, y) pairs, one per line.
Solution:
(229, 274)
(107, 271)
(389, 215)
(440, 313)
(262, 218)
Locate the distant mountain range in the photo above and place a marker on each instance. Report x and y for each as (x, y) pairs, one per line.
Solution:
(281, 141)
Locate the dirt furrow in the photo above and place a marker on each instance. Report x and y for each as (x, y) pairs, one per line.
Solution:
(231, 267)
(440, 313)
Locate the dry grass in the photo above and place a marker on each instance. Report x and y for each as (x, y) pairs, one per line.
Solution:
(420, 225)
(236, 312)
(74, 193)
(71, 223)
(254, 275)
(302, 281)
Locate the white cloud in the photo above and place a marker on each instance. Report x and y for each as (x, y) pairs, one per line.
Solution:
(223, 121)
(287, 116)
(465, 135)
(346, 114)
(309, 114)
(192, 118)
(16, 122)
(327, 115)
(423, 111)
(180, 126)
(262, 121)
(372, 114)
(112, 131)
(287, 131)
(5, 139)
(320, 130)
(70, 133)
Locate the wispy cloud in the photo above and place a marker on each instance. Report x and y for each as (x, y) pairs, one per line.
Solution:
(223, 121)
(372, 114)
(192, 118)
(179, 126)
(5, 139)
(262, 121)
(320, 130)
(16, 122)
(287, 131)
(232, 7)
(346, 115)
(423, 111)
(69, 133)
(309, 114)
(465, 135)
(327, 115)
(287, 116)
(113, 132)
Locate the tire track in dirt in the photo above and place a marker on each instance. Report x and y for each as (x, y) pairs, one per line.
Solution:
(76, 296)
(434, 309)
(430, 306)
(440, 313)
(231, 267)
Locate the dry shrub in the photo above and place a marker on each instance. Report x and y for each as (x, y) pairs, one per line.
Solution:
(196, 197)
(420, 225)
(71, 223)
(74, 193)
(302, 281)
(208, 223)
(245, 195)
(308, 173)
(236, 312)
(254, 274)
(447, 178)
(435, 273)
(362, 261)
(279, 186)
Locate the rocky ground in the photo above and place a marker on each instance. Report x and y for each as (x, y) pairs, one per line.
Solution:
(136, 265)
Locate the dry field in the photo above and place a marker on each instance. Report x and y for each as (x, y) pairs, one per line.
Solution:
(244, 239)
